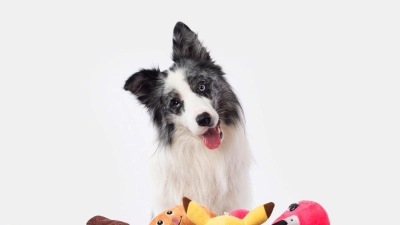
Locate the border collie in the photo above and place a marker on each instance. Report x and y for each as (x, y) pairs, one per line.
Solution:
(202, 150)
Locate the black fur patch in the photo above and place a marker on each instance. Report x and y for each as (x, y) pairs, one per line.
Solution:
(171, 99)
(147, 86)
(186, 45)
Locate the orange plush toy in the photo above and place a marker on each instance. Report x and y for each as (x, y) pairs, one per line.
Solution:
(176, 216)
(172, 216)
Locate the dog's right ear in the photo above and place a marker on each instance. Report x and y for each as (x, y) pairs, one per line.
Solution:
(143, 85)
(186, 45)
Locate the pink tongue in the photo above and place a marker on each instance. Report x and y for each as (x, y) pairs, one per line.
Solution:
(211, 138)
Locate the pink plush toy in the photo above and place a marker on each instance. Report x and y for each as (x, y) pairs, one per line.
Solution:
(303, 213)
(239, 213)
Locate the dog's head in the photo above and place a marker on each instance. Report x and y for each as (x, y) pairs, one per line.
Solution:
(192, 94)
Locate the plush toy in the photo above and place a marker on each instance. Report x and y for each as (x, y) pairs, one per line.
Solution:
(176, 216)
(101, 220)
(199, 217)
(303, 213)
(172, 216)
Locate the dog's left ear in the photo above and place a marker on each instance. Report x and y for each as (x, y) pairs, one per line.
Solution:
(143, 85)
(186, 45)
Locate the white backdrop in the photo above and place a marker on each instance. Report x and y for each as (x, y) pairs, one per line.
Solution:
(319, 83)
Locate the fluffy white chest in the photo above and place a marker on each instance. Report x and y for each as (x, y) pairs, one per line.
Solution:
(217, 178)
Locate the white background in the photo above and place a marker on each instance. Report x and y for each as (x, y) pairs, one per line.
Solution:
(318, 80)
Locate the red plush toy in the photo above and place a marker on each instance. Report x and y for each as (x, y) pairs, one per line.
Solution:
(303, 213)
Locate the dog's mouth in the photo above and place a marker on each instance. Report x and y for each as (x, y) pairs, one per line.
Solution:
(213, 136)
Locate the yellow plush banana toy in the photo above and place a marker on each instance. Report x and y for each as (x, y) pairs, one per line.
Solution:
(198, 216)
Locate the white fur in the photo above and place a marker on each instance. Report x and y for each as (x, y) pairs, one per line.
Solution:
(216, 178)
(194, 104)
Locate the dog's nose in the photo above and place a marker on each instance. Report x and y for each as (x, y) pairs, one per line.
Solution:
(203, 119)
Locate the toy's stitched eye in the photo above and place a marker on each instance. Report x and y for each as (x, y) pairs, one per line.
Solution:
(293, 206)
(170, 213)
(202, 87)
(160, 222)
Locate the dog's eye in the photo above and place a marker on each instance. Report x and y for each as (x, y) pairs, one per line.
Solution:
(170, 213)
(175, 103)
(293, 206)
(202, 87)
(160, 222)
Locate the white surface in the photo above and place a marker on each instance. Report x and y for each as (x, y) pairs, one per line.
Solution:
(319, 83)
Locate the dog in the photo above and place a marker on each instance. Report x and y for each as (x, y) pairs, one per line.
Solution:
(202, 149)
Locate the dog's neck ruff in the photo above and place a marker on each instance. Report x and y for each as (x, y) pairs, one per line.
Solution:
(214, 178)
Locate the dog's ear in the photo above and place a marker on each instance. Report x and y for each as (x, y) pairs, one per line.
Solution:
(186, 45)
(144, 84)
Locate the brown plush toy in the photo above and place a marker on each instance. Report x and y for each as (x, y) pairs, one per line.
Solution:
(101, 220)
(176, 216)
